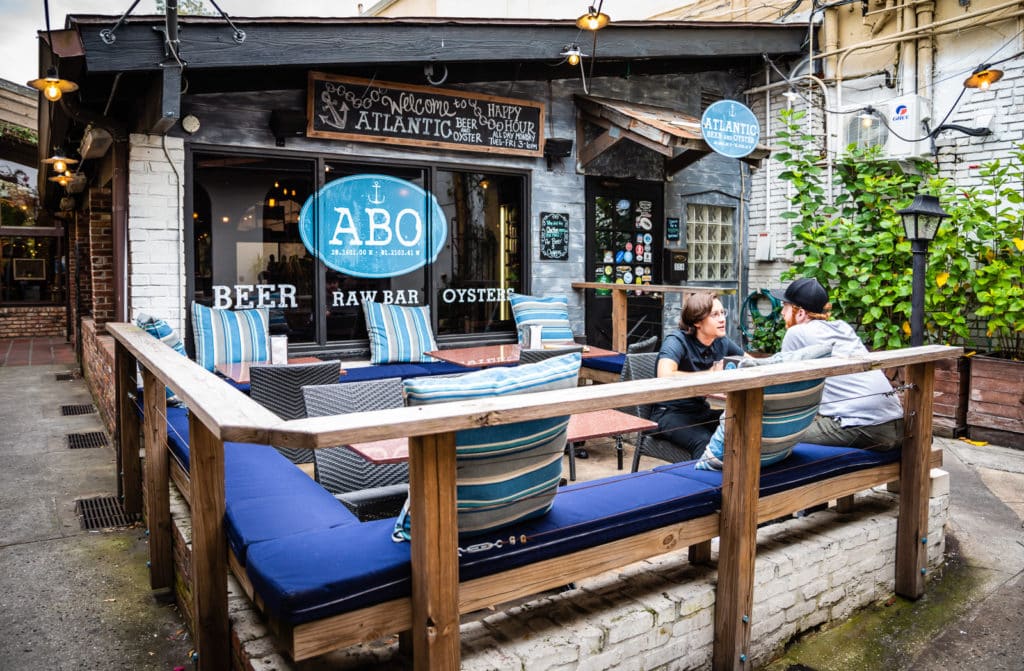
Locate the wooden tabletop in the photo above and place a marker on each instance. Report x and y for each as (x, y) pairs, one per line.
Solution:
(499, 355)
(239, 372)
(582, 426)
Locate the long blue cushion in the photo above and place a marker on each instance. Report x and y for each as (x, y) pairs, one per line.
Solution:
(611, 363)
(265, 495)
(807, 463)
(402, 370)
(308, 576)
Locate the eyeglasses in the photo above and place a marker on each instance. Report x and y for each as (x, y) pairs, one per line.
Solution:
(716, 315)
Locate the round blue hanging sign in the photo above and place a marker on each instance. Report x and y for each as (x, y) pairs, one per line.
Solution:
(373, 226)
(730, 128)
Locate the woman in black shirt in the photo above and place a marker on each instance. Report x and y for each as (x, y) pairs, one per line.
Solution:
(698, 344)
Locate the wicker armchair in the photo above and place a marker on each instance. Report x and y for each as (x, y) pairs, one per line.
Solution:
(641, 346)
(535, 355)
(371, 491)
(643, 366)
(279, 389)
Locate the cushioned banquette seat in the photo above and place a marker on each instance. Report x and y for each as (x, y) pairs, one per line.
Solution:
(308, 557)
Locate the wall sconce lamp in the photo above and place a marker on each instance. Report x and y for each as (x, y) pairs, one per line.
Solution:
(572, 54)
(983, 77)
(59, 161)
(594, 19)
(52, 86)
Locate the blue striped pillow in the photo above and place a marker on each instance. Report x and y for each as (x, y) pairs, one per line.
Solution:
(166, 334)
(551, 313)
(789, 409)
(399, 333)
(506, 473)
(229, 336)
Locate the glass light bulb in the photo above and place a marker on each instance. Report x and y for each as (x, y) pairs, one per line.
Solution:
(52, 92)
(984, 85)
(574, 59)
(60, 166)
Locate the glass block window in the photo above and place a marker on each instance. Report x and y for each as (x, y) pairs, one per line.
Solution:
(711, 242)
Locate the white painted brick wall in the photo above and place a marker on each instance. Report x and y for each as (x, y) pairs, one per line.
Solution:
(156, 252)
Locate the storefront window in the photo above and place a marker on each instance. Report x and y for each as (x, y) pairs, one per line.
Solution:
(248, 251)
(314, 253)
(32, 269)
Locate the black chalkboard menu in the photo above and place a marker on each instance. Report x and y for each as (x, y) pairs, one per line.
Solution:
(554, 236)
(364, 110)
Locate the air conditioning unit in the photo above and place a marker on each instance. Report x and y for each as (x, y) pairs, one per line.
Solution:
(902, 135)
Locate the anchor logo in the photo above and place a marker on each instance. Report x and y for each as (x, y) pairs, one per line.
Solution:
(376, 200)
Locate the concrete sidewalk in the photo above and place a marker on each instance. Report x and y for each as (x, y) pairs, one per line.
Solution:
(70, 599)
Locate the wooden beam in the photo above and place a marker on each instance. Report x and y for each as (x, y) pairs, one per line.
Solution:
(158, 488)
(912, 526)
(209, 548)
(734, 597)
(162, 107)
(635, 131)
(130, 471)
(434, 553)
(599, 145)
(683, 160)
(207, 43)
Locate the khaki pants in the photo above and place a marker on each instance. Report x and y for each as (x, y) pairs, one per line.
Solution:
(877, 437)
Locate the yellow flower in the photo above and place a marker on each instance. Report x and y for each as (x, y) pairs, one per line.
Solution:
(941, 279)
(906, 328)
(1019, 243)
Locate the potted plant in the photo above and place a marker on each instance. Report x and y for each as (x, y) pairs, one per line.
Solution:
(996, 408)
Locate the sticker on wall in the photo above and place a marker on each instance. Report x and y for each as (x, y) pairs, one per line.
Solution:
(608, 258)
(373, 226)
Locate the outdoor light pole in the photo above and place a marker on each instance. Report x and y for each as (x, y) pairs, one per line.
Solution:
(921, 222)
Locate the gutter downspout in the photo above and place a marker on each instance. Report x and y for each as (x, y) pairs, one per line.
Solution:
(925, 50)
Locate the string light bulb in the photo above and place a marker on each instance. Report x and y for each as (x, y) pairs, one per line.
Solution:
(983, 77)
(594, 19)
(572, 54)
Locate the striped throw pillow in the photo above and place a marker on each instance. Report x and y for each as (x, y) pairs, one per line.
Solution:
(229, 336)
(551, 313)
(789, 409)
(399, 333)
(166, 334)
(505, 473)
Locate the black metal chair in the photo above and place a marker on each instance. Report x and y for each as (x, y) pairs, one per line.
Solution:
(643, 366)
(535, 355)
(641, 346)
(278, 388)
(371, 491)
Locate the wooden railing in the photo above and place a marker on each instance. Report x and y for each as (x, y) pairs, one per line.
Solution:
(219, 413)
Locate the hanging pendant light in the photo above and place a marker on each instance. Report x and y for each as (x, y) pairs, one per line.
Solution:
(983, 77)
(594, 19)
(52, 86)
(59, 161)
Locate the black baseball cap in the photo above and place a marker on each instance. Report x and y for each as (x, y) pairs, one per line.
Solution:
(806, 293)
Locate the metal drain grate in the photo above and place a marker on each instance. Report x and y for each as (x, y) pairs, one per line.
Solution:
(67, 377)
(102, 512)
(78, 441)
(81, 409)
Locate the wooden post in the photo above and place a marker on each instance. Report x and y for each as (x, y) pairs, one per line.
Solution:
(734, 597)
(209, 548)
(435, 560)
(157, 490)
(127, 430)
(620, 328)
(912, 524)
(699, 553)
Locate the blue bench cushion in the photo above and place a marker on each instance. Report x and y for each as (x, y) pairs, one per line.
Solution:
(312, 575)
(611, 363)
(402, 370)
(808, 463)
(266, 496)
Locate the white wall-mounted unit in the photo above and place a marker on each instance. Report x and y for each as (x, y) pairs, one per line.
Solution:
(901, 135)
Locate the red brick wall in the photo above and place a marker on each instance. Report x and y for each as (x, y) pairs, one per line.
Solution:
(101, 255)
(98, 369)
(36, 320)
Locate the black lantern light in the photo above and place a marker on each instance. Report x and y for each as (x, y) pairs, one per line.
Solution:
(921, 222)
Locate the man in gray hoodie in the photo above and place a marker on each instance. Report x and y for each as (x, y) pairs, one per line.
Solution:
(858, 410)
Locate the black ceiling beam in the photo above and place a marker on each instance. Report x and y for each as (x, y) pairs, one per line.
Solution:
(207, 44)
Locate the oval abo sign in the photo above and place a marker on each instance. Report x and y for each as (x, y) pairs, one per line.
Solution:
(373, 226)
(730, 128)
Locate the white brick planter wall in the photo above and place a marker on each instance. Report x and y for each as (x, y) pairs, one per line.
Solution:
(658, 614)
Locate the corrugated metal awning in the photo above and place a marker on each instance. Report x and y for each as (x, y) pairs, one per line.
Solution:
(669, 132)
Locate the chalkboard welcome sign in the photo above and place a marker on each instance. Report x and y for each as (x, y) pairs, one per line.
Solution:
(364, 110)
